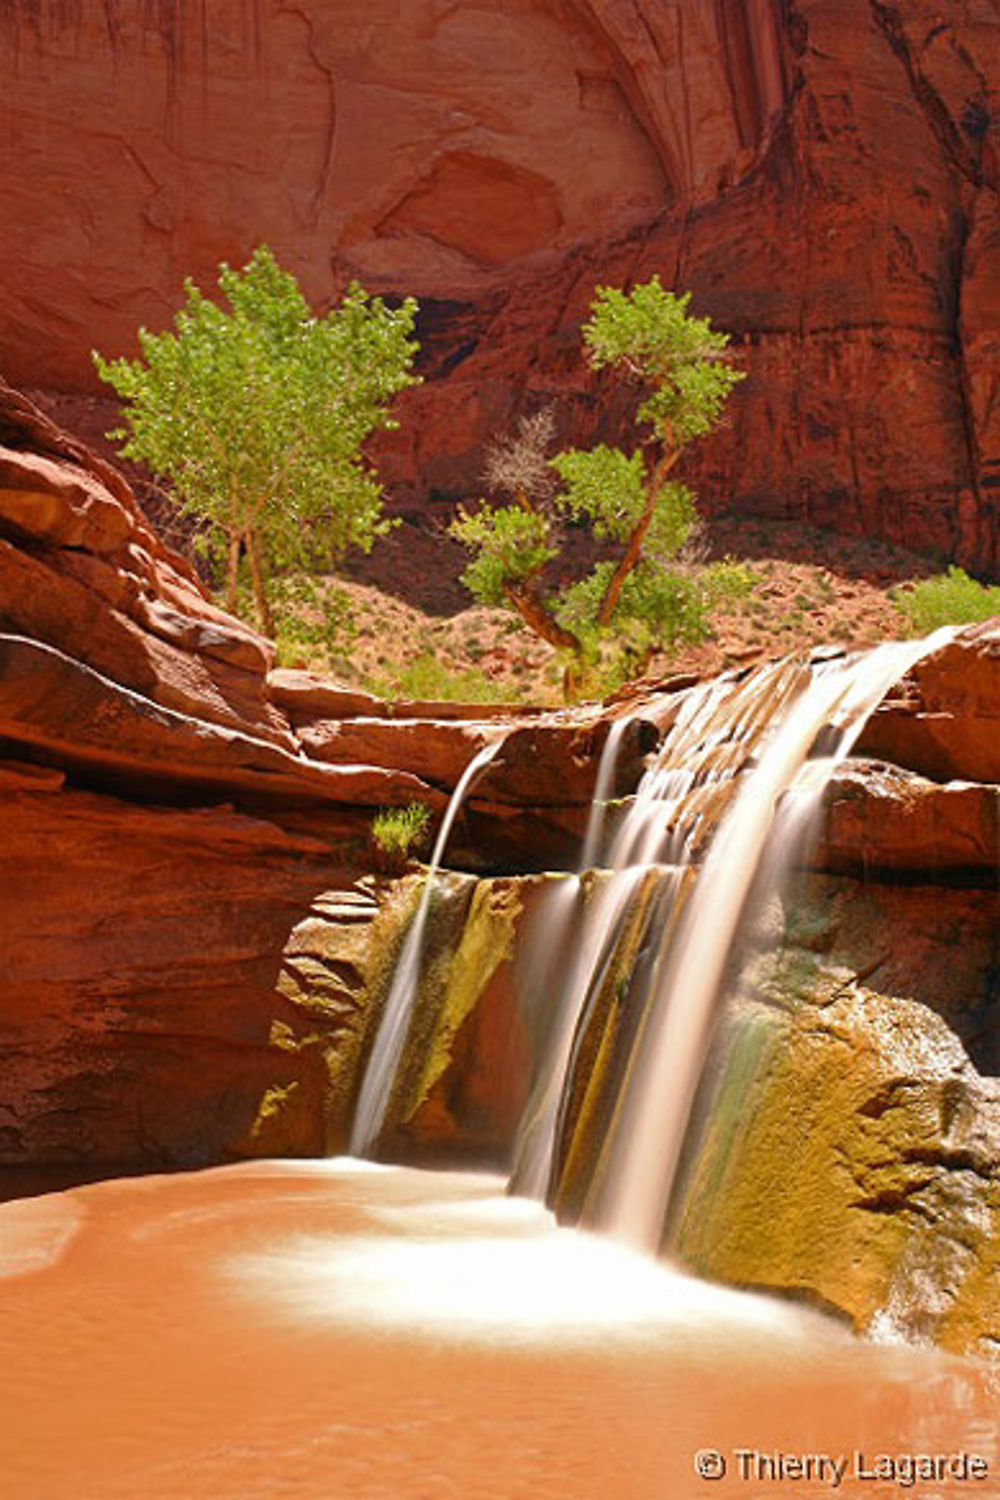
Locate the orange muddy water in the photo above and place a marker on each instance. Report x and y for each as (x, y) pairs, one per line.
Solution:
(325, 1330)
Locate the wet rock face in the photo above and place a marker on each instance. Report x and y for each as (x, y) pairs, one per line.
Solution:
(850, 1142)
(473, 1036)
(824, 176)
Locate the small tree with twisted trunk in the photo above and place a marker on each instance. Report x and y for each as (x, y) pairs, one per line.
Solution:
(651, 594)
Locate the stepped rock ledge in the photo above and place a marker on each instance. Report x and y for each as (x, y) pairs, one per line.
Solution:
(195, 944)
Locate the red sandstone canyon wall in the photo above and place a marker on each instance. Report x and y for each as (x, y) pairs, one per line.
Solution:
(823, 174)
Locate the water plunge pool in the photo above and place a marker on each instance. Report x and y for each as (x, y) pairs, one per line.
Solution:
(321, 1330)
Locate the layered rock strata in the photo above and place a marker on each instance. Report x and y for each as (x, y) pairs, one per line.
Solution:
(195, 957)
(188, 956)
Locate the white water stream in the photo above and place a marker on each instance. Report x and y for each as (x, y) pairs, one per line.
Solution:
(841, 695)
(390, 1039)
(703, 830)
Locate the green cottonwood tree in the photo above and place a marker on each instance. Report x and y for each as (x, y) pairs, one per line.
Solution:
(677, 362)
(257, 415)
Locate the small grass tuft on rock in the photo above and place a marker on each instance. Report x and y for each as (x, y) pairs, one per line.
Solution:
(398, 834)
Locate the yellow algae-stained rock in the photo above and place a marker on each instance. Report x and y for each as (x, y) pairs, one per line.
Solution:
(467, 1064)
(851, 1155)
(325, 972)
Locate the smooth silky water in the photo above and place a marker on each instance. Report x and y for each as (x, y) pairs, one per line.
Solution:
(328, 1329)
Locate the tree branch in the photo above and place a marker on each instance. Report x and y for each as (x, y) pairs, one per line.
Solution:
(633, 550)
(533, 612)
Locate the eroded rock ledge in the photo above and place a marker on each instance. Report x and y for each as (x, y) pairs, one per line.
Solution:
(195, 951)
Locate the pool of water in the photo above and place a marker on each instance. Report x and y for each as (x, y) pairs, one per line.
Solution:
(326, 1329)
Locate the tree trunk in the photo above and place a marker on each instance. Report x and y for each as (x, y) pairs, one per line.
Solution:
(232, 570)
(537, 618)
(261, 601)
(633, 550)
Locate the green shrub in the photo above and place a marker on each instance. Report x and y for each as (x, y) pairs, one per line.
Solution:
(726, 581)
(258, 414)
(427, 678)
(399, 833)
(952, 598)
(648, 595)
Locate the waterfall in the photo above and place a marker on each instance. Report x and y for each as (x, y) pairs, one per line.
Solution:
(653, 830)
(394, 1023)
(537, 1133)
(702, 835)
(626, 960)
(654, 1114)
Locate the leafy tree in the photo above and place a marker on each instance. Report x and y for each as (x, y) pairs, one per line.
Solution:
(651, 591)
(257, 415)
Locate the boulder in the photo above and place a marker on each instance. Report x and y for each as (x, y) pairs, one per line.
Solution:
(879, 820)
(848, 1149)
(436, 752)
(943, 720)
(305, 696)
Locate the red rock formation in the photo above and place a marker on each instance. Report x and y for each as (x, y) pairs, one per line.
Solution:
(82, 571)
(148, 1004)
(879, 819)
(943, 720)
(824, 176)
(188, 955)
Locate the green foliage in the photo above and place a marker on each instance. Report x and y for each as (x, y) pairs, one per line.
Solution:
(952, 598)
(257, 414)
(603, 485)
(398, 832)
(674, 522)
(648, 336)
(653, 595)
(660, 608)
(315, 621)
(728, 581)
(427, 679)
(510, 544)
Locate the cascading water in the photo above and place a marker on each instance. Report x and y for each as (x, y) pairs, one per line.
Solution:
(689, 969)
(657, 835)
(534, 1152)
(390, 1038)
(723, 811)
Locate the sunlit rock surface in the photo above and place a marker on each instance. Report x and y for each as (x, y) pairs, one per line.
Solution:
(851, 1154)
(823, 176)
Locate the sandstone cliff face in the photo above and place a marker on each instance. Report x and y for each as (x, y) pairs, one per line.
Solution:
(824, 176)
(189, 952)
